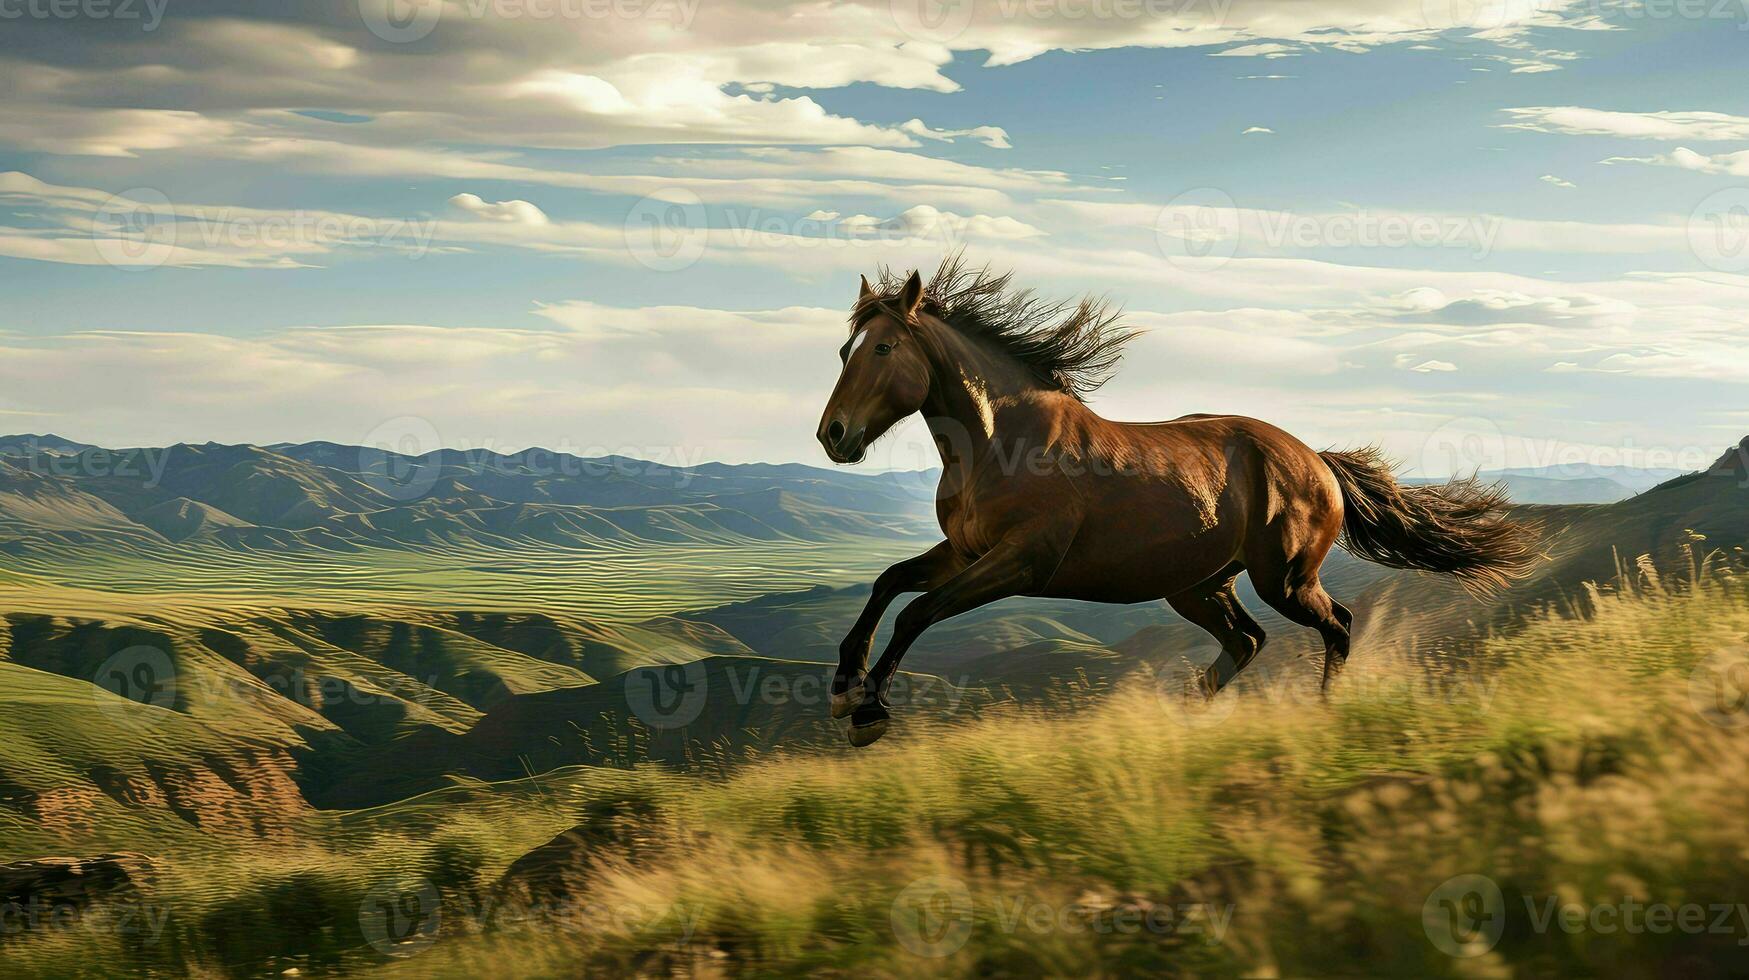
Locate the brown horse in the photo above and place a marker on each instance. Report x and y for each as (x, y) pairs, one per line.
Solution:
(1039, 496)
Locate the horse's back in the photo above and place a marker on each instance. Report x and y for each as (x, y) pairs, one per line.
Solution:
(1186, 498)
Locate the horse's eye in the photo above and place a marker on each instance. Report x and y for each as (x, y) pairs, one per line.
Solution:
(883, 349)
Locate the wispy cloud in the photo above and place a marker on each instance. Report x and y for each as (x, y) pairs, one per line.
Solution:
(1672, 126)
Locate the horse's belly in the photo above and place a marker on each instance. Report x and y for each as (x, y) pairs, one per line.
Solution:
(1139, 564)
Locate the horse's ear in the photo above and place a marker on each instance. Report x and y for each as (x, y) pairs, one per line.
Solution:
(867, 290)
(912, 295)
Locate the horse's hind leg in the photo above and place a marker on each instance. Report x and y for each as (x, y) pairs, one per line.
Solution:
(1290, 585)
(1305, 602)
(1215, 607)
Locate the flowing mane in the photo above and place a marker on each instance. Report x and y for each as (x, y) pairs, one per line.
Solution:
(1071, 348)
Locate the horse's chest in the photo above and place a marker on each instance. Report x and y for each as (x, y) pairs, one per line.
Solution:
(973, 523)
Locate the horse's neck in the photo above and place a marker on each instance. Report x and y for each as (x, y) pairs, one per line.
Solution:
(970, 392)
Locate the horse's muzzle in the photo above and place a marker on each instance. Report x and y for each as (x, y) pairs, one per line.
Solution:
(841, 444)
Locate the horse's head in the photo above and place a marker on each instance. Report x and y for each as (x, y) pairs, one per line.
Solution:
(886, 374)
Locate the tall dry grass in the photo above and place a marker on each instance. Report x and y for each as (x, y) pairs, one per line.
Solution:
(1571, 763)
(1581, 762)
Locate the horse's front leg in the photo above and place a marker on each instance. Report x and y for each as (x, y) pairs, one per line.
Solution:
(1022, 561)
(926, 571)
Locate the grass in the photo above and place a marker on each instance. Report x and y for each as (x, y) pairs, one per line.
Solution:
(1573, 764)
(607, 583)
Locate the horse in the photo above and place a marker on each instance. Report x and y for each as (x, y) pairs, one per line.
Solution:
(1041, 496)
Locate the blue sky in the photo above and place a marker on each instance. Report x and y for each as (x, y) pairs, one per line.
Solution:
(1496, 233)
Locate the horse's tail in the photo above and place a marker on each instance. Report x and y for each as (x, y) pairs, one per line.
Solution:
(1460, 528)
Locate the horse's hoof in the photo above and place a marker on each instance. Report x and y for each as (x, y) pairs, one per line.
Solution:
(863, 735)
(845, 702)
(868, 724)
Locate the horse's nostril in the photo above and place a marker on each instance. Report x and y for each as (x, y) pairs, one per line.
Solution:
(835, 432)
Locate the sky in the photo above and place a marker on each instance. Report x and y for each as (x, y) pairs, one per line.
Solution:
(1479, 233)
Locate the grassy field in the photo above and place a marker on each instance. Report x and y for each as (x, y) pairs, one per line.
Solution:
(1569, 804)
(627, 583)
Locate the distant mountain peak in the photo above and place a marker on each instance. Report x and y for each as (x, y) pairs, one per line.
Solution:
(1735, 461)
(29, 443)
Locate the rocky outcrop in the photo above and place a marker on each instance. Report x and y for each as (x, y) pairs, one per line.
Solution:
(73, 881)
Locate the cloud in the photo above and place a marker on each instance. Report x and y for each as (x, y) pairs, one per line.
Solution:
(144, 229)
(1256, 129)
(509, 212)
(992, 136)
(1671, 126)
(734, 385)
(763, 175)
(675, 72)
(1410, 362)
(1729, 164)
(105, 132)
(1258, 51)
(1557, 181)
(1488, 307)
(924, 221)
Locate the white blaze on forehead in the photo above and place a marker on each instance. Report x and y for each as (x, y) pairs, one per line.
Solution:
(855, 342)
